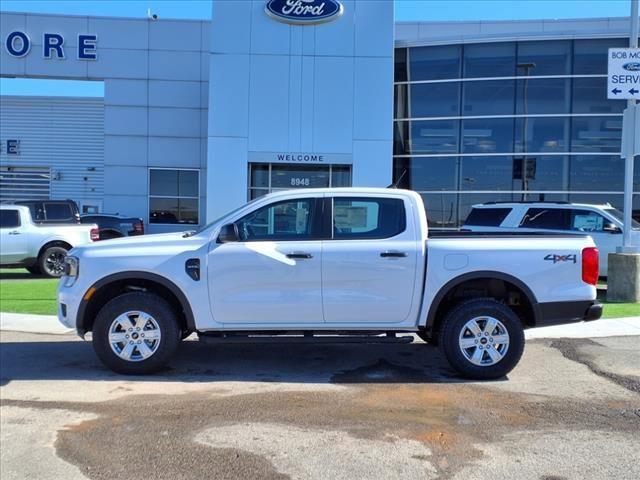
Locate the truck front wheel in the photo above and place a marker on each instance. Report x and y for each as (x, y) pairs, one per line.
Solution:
(136, 333)
(51, 261)
(482, 339)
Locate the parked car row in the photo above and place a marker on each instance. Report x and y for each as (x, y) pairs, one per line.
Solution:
(37, 234)
(47, 221)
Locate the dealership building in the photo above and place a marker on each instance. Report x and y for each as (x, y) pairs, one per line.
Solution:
(198, 117)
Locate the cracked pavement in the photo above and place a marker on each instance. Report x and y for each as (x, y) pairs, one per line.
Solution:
(570, 410)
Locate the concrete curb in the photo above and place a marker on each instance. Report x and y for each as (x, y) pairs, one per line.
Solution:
(29, 323)
(607, 327)
(610, 327)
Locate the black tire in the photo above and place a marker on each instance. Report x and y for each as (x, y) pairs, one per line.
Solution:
(159, 310)
(51, 261)
(454, 326)
(34, 270)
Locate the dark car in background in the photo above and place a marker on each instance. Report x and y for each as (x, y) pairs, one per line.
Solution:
(114, 225)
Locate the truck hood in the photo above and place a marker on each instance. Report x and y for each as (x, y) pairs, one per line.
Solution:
(142, 245)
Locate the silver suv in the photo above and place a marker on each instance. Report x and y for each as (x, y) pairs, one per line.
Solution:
(602, 222)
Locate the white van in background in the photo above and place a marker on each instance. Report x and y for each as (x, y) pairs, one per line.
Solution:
(602, 222)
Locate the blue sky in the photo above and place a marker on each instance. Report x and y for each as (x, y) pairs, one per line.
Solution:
(406, 10)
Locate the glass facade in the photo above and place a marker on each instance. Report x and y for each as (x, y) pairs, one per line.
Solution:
(507, 121)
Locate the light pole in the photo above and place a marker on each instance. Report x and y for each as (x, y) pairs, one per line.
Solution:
(623, 284)
(525, 125)
(628, 168)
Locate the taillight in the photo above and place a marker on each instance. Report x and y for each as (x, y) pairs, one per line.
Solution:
(590, 265)
(95, 234)
(138, 227)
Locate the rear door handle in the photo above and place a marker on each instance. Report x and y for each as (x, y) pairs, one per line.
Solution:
(389, 254)
(15, 232)
(299, 255)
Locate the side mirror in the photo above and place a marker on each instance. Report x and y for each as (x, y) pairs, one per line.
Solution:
(611, 228)
(229, 233)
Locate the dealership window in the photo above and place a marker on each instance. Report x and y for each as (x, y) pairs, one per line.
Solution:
(435, 99)
(596, 134)
(487, 135)
(604, 173)
(173, 196)
(542, 134)
(490, 97)
(544, 58)
(435, 63)
(269, 177)
(428, 137)
(486, 173)
(427, 173)
(543, 96)
(590, 55)
(442, 209)
(588, 97)
(490, 60)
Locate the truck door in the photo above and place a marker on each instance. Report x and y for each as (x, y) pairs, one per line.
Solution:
(272, 275)
(13, 240)
(369, 264)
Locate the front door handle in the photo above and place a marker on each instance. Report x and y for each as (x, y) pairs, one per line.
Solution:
(15, 232)
(393, 254)
(299, 255)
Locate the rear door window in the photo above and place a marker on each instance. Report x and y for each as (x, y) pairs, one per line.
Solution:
(547, 219)
(487, 217)
(367, 218)
(9, 218)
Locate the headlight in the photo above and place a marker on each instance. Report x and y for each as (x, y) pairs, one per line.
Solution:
(71, 266)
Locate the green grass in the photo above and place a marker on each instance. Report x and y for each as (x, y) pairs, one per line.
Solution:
(24, 295)
(619, 310)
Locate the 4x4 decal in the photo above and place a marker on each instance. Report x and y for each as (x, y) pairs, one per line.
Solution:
(555, 258)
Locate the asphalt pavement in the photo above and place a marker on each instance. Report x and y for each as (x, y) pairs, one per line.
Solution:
(570, 410)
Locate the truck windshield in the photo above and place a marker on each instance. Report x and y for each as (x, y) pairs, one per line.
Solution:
(618, 215)
(231, 213)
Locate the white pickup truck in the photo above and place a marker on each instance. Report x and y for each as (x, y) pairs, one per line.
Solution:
(352, 264)
(40, 248)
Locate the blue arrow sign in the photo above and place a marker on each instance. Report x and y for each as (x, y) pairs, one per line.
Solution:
(616, 91)
(633, 91)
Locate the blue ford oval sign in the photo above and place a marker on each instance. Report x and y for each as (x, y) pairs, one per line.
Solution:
(304, 12)
(632, 66)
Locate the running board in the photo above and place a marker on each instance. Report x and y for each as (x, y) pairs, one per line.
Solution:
(303, 339)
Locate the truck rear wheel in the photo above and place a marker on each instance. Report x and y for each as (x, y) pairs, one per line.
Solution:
(136, 333)
(482, 339)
